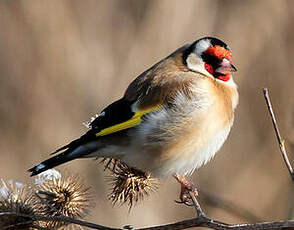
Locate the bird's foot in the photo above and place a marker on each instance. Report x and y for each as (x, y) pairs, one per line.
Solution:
(187, 188)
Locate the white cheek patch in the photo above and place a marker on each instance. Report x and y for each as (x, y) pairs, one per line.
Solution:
(196, 64)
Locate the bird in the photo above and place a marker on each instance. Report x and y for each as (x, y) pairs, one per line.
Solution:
(171, 120)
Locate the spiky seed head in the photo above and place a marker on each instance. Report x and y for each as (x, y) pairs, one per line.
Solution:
(129, 185)
(16, 198)
(66, 195)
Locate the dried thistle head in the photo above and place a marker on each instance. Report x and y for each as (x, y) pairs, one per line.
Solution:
(16, 198)
(65, 195)
(130, 185)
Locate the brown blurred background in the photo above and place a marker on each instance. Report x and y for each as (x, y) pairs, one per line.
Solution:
(63, 61)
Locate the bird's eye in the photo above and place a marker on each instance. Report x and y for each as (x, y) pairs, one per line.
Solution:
(210, 59)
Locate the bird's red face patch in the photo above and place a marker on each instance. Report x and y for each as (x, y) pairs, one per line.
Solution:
(215, 54)
(219, 52)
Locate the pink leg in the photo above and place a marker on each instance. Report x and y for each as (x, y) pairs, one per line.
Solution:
(186, 187)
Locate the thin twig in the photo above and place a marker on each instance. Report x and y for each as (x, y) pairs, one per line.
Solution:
(59, 218)
(210, 223)
(281, 141)
(197, 206)
(201, 221)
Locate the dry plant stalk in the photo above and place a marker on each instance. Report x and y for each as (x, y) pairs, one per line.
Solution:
(16, 198)
(281, 141)
(63, 196)
(129, 185)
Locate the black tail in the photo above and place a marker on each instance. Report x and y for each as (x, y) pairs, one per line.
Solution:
(51, 163)
(76, 149)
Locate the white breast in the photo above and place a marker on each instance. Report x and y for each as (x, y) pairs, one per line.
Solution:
(193, 155)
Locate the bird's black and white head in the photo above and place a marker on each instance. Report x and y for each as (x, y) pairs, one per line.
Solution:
(212, 57)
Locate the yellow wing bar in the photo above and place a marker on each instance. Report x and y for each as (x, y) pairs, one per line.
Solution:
(134, 121)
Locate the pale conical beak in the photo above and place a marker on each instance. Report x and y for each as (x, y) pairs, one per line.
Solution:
(226, 67)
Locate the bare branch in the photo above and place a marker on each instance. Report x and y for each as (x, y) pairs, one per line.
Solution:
(281, 141)
(199, 211)
(59, 218)
(199, 221)
(210, 223)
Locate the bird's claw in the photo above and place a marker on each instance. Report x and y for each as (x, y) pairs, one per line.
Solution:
(188, 189)
(184, 202)
(185, 195)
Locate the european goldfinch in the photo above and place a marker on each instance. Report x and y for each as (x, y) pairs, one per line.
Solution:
(172, 119)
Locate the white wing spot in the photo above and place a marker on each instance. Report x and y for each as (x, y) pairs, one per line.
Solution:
(88, 123)
(40, 166)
